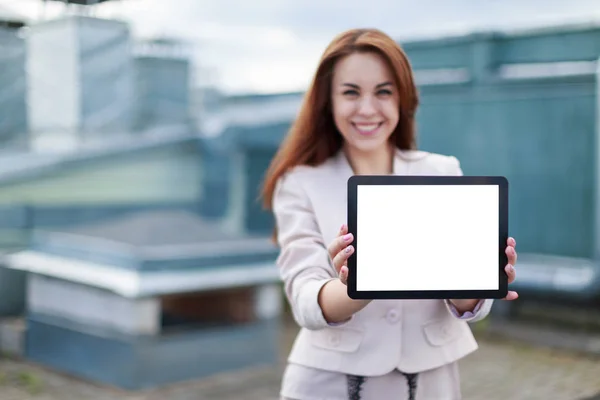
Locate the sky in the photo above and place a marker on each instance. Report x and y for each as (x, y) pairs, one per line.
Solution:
(268, 46)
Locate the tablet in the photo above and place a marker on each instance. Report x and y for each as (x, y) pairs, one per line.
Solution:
(428, 237)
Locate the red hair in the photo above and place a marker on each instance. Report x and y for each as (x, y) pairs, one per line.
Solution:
(313, 137)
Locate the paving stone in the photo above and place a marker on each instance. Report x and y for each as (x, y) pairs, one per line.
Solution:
(499, 370)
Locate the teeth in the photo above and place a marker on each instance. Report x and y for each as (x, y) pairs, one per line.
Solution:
(367, 127)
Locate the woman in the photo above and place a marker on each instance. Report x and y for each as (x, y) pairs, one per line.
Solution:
(358, 118)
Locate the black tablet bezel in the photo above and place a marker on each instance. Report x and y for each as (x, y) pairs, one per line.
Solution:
(359, 180)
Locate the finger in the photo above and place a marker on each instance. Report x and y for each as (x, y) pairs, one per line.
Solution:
(344, 275)
(511, 296)
(511, 242)
(342, 257)
(343, 230)
(510, 271)
(511, 253)
(338, 244)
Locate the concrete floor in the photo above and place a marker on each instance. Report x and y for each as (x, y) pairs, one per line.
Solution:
(500, 370)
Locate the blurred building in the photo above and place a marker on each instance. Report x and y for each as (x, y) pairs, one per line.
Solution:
(243, 134)
(161, 297)
(13, 82)
(80, 75)
(163, 73)
(113, 156)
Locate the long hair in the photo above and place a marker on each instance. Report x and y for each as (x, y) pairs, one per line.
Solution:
(313, 137)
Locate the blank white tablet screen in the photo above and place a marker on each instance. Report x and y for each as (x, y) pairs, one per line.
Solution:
(427, 237)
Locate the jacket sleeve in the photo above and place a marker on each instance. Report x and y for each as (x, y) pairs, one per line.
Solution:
(483, 308)
(303, 262)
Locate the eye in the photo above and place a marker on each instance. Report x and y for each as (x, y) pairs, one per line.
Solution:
(385, 92)
(350, 93)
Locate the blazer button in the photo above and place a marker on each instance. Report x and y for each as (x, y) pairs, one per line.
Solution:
(392, 316)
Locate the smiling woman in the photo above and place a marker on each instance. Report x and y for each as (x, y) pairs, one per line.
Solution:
(357, 118)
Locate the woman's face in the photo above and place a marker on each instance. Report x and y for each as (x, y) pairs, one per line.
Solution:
(365, 101)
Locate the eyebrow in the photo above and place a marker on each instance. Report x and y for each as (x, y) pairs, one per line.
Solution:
(352, 85)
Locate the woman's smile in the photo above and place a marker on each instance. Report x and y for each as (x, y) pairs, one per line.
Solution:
(367, 129)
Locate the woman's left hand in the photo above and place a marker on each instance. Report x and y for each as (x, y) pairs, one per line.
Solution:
(511, 253)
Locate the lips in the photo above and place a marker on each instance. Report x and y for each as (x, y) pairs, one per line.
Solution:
(367, 129)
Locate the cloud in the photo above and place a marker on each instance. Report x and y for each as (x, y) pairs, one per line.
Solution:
(271, 45)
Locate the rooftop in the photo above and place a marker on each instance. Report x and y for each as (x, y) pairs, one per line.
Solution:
(16, 165)
(150, 253)
(156, 240)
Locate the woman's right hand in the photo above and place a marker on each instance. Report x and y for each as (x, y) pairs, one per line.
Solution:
(333, 298)
(339, 251)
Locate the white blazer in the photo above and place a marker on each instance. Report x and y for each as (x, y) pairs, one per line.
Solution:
(411, 335)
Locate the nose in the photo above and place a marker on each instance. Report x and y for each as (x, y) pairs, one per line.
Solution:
(367, 106)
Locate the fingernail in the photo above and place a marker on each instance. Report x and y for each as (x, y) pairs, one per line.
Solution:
(511, 268)
(343, 226)
(347, 237)
(348, 249)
